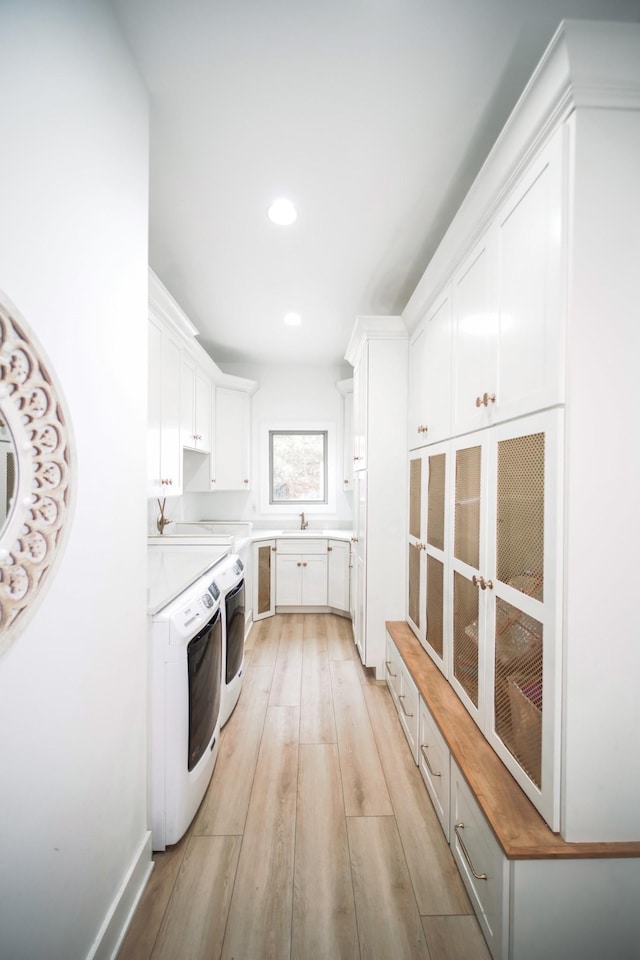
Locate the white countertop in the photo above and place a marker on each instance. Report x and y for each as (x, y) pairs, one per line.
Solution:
(301, 534)
(172, 567)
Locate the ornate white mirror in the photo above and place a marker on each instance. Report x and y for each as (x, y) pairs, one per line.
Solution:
(34, 472)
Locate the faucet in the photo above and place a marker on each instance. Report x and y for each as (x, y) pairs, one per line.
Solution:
(303, 523)
(162, 521)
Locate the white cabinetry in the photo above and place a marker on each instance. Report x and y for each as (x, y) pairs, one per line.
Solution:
(430, 376)
(231, 469)
(164, 451)
(346, 389)
(301, 573)
(339, 554)
(405, 695)
(482, 865)
(197, 406)
(378, 353)
(433, 761)
(543, 263)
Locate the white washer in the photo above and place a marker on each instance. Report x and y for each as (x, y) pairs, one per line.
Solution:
(186, 699)
(229, 577)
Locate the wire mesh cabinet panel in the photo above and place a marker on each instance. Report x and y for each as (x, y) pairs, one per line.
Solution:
(427, 550)
(522, 591)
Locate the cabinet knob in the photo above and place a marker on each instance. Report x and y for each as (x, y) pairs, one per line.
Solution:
(298, 564)
(485, 399)
(167, 482)
(423, 429)
(329, 549)
(273, 549)
(304, 563)
(245, 481)
(482, 583)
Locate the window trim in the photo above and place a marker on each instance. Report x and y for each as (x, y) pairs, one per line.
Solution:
(279, 509)
(325, 444)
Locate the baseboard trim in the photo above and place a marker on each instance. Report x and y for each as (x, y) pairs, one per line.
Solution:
(120, 913)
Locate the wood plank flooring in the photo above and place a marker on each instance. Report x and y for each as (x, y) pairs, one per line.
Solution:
(316, 839)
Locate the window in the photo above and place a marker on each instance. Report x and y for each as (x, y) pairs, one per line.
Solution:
(297, 466)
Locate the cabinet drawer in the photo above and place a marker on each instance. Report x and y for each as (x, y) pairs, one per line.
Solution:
(409, 709)
(482, 865)
(433, 760)
(302, 546)
(392, 670)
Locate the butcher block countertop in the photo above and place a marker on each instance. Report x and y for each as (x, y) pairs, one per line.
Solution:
(517, 825)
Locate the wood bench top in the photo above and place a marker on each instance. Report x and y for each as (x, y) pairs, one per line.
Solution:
(515, 822)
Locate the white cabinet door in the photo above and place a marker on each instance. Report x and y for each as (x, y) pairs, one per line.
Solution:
(196, 406)
(314, 580)
(475, 328)
(430, 376)
(203, 410)
(360, 410)
(417, 533)
(288, 579)
(531, 319)
(164, 454)
(339, 553)
(264, 579)
(359, 561)
(347, 455)
(232, 440)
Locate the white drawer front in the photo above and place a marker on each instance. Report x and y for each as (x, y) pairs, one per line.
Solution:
(392, 670)
(301, 546)
(409, 710)
(433, 760)
(482, 864)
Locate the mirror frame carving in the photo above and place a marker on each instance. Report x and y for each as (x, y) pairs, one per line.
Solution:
(33, 533)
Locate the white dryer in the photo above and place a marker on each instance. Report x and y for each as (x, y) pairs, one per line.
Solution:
(229, 578)
(186, 700)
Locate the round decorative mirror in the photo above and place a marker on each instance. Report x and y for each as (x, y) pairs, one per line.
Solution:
(34, 472)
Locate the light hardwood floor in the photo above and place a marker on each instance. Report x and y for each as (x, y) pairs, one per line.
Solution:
(316, 839)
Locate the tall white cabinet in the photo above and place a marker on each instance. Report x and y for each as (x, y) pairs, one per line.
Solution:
(537, 278)
(377, 351)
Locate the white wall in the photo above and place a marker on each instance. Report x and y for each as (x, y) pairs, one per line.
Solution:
(287, 393)
(73, 258)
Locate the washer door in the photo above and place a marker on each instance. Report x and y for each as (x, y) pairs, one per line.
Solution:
(204, 661)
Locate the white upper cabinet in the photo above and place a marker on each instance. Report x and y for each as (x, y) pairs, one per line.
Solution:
(346, 389)
(475, 337)
(197, 406)
(530, 328)
(232, 440)
(164, 452)
(430, 376)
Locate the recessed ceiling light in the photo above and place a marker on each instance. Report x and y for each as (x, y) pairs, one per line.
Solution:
(292, 319)
(282, 212)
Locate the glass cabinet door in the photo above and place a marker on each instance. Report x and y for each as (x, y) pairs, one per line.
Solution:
(416, 546)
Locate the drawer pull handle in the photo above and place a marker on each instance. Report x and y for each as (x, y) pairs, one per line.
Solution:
(485, 399)
(388, 666)
(478, 876)
(423, 751)
(401, 697)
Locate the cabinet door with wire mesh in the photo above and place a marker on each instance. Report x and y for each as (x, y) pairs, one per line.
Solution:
(435, 549)
(521, 587)
(469, 614)
(415, 615)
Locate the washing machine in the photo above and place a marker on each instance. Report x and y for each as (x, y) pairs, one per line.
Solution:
(186, 701)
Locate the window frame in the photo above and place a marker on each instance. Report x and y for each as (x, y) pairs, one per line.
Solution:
(290, 506)
(325, 451)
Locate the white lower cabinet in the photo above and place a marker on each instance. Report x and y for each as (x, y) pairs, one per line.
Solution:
(433, 761)
(483, 866)
(301, 578)
(405, 696)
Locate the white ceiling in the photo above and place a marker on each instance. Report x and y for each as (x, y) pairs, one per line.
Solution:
(373, 116)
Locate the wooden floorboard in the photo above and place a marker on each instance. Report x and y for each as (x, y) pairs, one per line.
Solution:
(388, 918)
(316, 838)
(259, 923)
(223, 810)
(363, 782)
(195, 921)
(436, 881)
(455, 938)
(324, 919)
